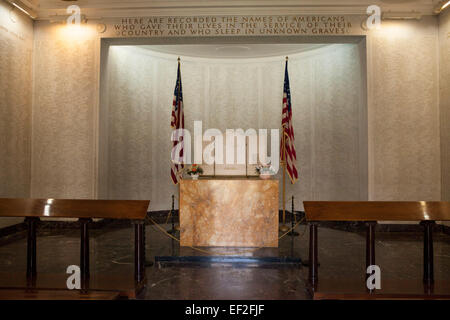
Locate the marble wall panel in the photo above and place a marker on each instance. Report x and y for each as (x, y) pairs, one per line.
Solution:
(404, 114)
(65, 91)
(16, 43)
(16, 47)
(444, 100)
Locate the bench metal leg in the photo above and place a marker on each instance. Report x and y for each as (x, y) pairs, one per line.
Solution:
(370, 244)
(31, 247)
(313, 252)
(428, 263)
(84, 251)
(139, 251)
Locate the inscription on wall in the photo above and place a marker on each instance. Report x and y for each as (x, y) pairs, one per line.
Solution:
(231, 26)
(13, 33)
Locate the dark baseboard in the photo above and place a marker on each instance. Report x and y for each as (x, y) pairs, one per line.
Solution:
(445, 229)
(13, 233)
(6, 231)
(18, 231)
(63, 225)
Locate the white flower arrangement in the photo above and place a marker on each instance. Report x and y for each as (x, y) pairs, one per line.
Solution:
(265, 170)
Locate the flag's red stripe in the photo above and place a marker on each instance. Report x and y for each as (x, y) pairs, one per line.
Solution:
(289, 155)
(177, 122)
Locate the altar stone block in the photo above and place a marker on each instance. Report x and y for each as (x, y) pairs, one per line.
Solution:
(229, 213)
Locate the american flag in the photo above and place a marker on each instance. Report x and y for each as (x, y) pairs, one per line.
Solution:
(177, 122)
(287, 151)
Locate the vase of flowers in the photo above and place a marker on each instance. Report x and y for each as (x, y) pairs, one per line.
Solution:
(265, 172)
(194, 171)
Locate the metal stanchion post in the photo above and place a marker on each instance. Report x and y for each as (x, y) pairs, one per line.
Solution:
(172, 212)
(293, 233)
(148, 263)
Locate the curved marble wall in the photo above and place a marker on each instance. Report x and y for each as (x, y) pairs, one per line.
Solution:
(328, 103)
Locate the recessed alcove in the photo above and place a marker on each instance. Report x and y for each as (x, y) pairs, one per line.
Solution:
(230, 85)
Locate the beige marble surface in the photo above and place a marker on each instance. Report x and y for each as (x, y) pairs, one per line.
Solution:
(444, 100)
(16, 52)
(404, 148)
(233, 213)
(64, 113)
(16, 45)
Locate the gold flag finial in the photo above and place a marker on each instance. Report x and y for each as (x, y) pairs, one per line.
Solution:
(287, 58)
(179, 59)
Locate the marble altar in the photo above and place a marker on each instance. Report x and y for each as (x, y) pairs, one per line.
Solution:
(229, 212)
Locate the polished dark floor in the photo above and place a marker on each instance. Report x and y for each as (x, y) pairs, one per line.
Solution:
(341, 254)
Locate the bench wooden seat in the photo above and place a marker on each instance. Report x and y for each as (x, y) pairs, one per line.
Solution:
(425, 212)
(85, 211)
(377, 210)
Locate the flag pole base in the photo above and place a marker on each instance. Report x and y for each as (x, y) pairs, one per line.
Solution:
(172, 231)
(284, 228)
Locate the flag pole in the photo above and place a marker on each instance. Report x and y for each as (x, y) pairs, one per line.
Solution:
(177, 227)
(284, 227)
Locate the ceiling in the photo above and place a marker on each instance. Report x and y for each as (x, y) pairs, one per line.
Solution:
(232, 51)
(45, 9)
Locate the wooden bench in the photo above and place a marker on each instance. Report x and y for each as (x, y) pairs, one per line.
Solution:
(370, 212)
(84, 210)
